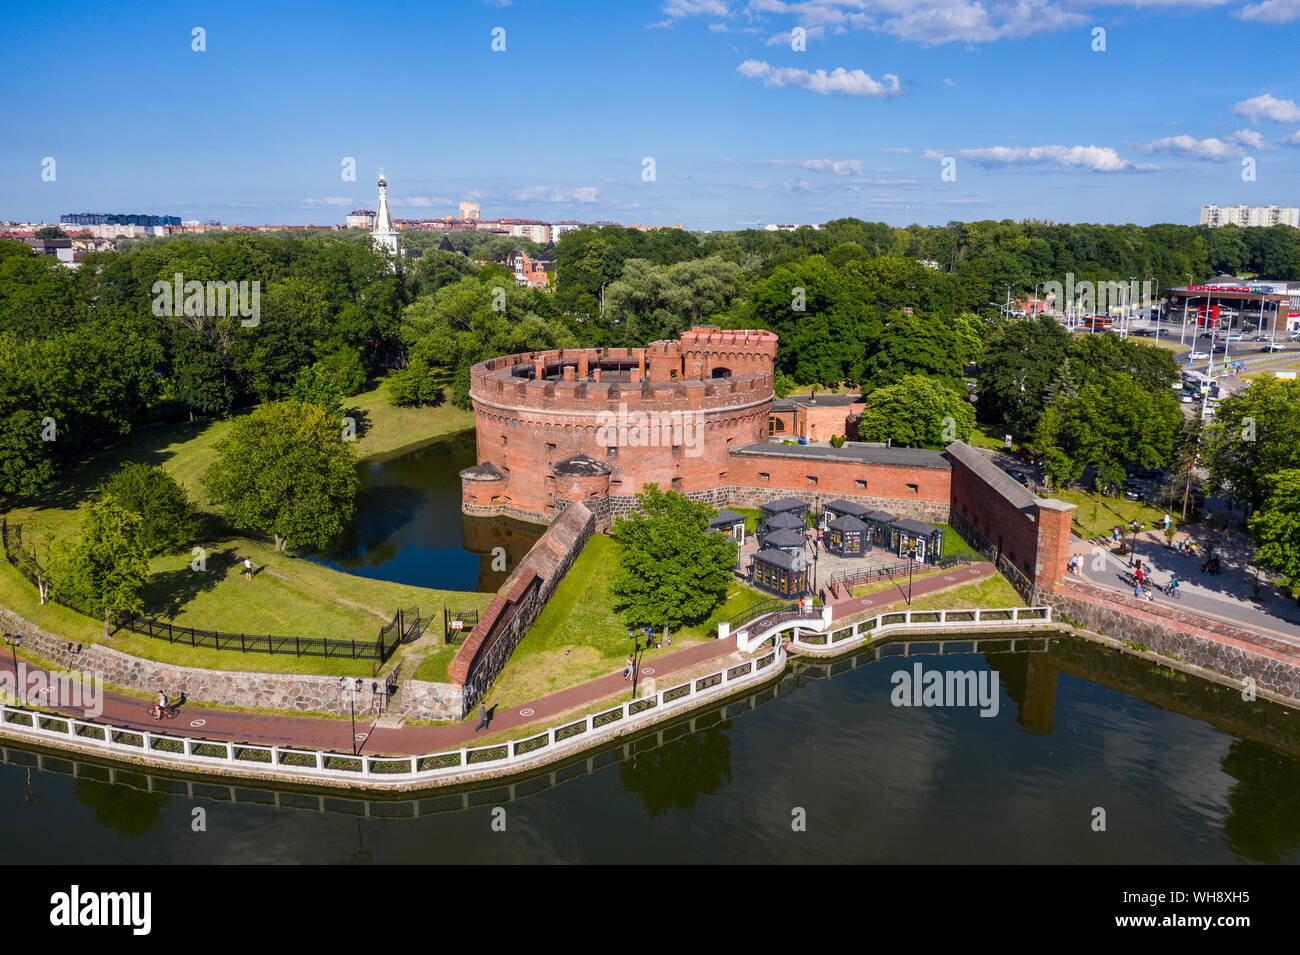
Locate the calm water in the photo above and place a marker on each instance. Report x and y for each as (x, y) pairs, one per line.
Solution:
(1186, 772)
(408, 527)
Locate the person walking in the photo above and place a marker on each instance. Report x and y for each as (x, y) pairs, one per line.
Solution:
(248, 568)
(627, 668)
(482, 717)
(1114, 535)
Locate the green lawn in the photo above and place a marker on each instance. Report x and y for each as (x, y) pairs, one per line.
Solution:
(983, 436)
(579, 635)
(1096, 514)
(954, 545)
(287, 596)
(991, 593)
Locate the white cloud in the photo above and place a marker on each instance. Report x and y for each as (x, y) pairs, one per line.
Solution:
(1212, 149)
(1292, 140)
(327, 201)
(1268, 107)
(1271, 11)
(691, 8)
(1095, 158)
(897, 150)
(947, 81)
(660, 25)
(1249, 138)
(840, 167)
(549, 194)
(839, 81)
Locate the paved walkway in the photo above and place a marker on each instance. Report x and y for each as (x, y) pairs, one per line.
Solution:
(892, 592)
(1225, 596)
(337, 734)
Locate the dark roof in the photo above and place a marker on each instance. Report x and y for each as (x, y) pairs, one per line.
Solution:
(1003, 483)
(445, 245)
(915, 527)
(486, 471)
(725, 516)
(783, 404)
(778, 558)
(825, 401)
(582, 465)
(847, 523)
(841, 506)
(784, 504)
(880, 517)
(852, 451)
(785, 519)
(784, 537)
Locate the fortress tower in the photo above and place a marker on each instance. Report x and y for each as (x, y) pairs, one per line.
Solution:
(597, 425)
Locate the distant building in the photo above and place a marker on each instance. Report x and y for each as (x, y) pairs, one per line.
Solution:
(1215, 216)
(361, 219)
(384, 232)
(117, 218)
(559, 228)
(469, 210)
(534, 273)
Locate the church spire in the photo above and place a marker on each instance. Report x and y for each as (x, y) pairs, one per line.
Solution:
(385, 231)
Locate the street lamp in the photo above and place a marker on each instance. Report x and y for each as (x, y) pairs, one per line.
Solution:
(351, 690)
(1136, 526)
(14, 642)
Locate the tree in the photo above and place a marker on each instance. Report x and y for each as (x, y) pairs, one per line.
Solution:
(107, 568)
(27, 464)
(1255, 434)
(1018, 367)
(1276, 527)
(1118, 422)
(168, 520)
(673, 569)
(315, 385)
(918, 412)
(285, 470)
(416, 384)
(50, 232)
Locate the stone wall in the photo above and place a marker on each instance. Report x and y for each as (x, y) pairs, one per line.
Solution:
(1211, 644)
(250, 689)
(422, 700)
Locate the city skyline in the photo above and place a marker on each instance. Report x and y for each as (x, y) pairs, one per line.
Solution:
(1015, 101)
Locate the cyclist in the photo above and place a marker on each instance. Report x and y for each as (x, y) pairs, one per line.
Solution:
(1173, 585)
(159, 705)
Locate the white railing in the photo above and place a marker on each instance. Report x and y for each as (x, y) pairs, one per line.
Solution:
(843, 638)
(758, 631)
(377, 771)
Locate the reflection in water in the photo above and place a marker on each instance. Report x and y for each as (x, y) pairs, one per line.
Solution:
(1186, 771)
(408, 527)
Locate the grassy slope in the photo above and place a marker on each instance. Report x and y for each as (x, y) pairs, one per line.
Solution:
(1110, 512)
(579, 635)
(286, 597)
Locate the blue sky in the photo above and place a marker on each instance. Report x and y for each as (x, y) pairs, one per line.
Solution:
(743, 129)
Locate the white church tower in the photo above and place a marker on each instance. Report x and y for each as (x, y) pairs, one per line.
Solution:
(384, 233)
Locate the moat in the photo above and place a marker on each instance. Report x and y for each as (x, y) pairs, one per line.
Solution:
(408, 526)
(1186, 772)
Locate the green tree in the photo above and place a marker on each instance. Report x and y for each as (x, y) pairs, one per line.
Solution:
(285, 471)
(918, 412)
(106, 570)
(1276, 527)
(672, 569)
(315, 385)
(27, 464)
(416, 384)
(1254, 435)
(168, 520)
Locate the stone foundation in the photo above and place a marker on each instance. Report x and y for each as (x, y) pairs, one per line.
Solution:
(422, 700)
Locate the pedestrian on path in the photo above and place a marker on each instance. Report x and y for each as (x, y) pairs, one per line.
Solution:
(482, 717)
(248, 568)
(1114, 535)
(627, 668)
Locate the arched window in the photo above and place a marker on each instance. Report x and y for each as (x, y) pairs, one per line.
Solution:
(775, 425)
(721, 373)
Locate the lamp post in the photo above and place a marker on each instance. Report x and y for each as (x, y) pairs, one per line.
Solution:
(351, 690)
(1136, 526)
(14, 642)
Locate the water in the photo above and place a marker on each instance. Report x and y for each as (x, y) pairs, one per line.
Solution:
(1185, 771)
(408, 527)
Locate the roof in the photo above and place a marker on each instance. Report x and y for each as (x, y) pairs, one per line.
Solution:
(852, 451)
(779, 558)
(847, 523)
(783, 404)
(725, 516)
(783, 504)
(486, 471)
(841, 506)
(880, 517)
(915, 527)
(825, 401)
(785, 519)
(784, 537)
(1012, 490)
(582, 465)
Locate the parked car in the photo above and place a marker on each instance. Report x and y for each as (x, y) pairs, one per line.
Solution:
(1274, 346)
(1189, 397)
(1258, 338)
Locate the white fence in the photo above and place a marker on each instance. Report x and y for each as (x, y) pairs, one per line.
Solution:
(846, 637)
(379, 771)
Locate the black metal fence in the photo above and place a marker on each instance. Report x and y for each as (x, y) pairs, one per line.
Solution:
(852, 578)
(456, 624)
(23, 558)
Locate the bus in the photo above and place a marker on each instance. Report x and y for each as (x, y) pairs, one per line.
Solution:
(1098, 323)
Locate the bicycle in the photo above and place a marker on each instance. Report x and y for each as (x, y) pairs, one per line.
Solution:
(1172, 590)
(168, 712)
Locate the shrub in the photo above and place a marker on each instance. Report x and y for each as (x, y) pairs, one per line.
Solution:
(168, 520)
(415, 385)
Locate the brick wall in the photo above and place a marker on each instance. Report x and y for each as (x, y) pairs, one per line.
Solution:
(922, 493)
(516, 605)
